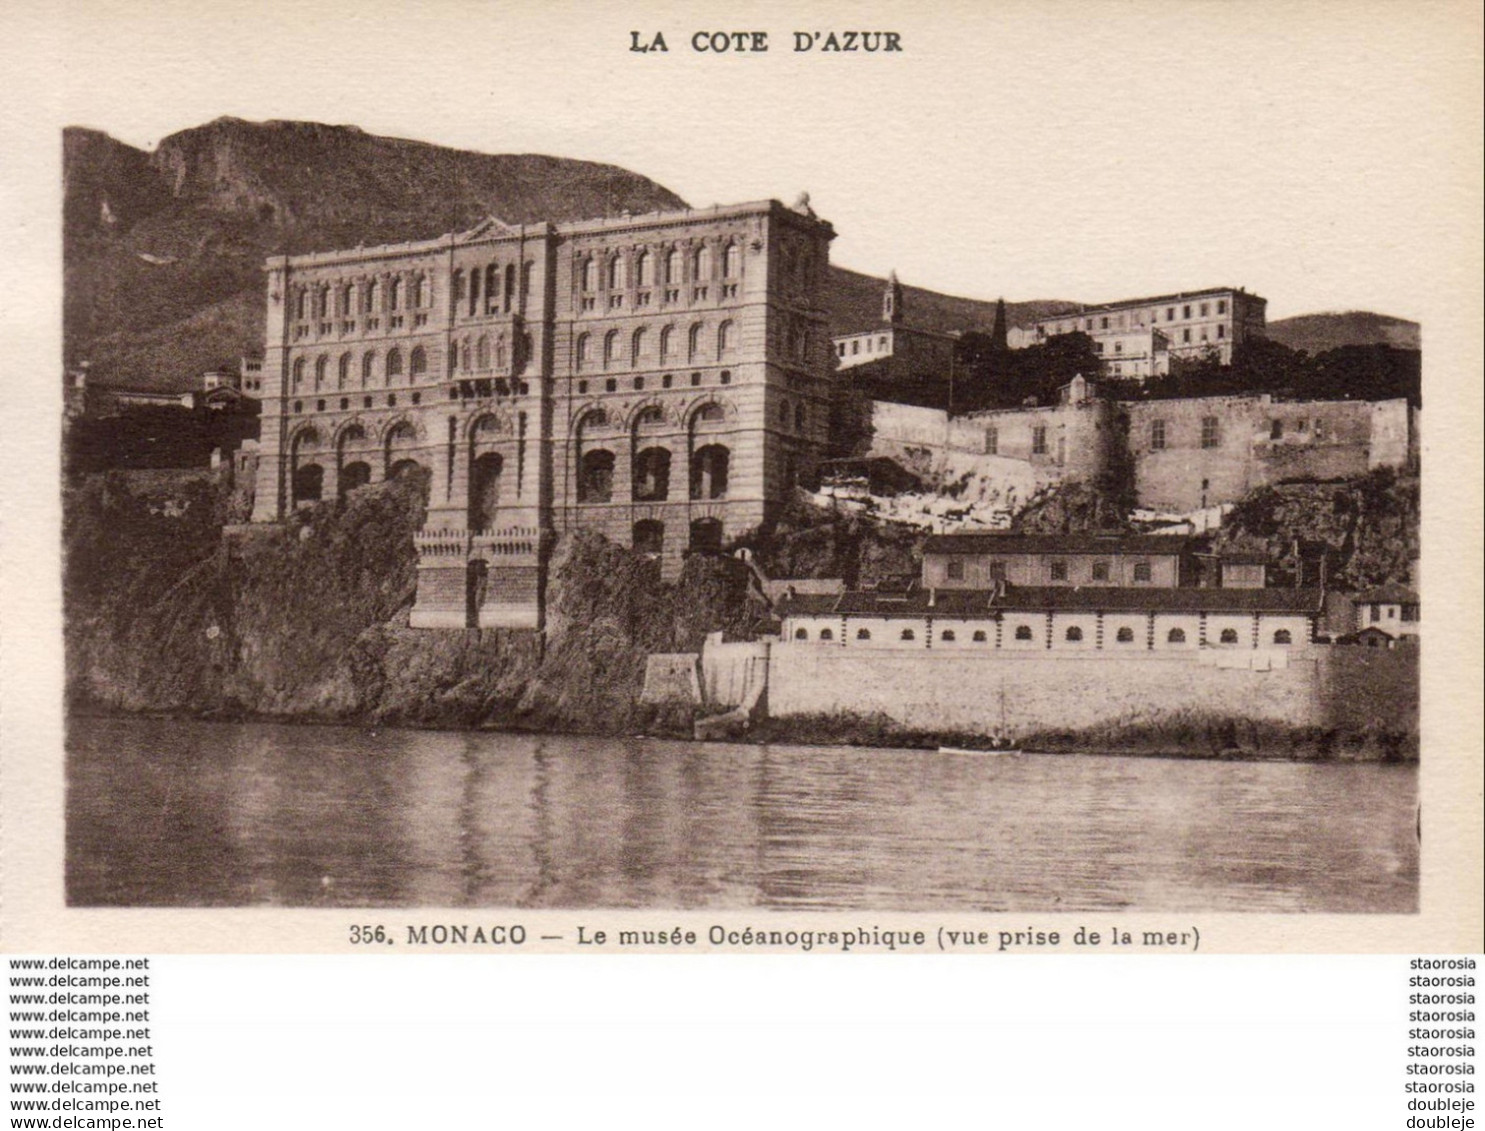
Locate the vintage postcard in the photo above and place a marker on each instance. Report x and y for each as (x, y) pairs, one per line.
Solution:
(533, 478)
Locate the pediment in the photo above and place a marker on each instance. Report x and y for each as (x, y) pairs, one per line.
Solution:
(486, 228)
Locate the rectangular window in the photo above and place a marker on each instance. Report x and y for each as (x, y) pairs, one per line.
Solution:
(1276, 430)
(992, 442)
(1221, 332)
(1170, 314)
(955, 571)
(1142, 571)
(1211, 435)
(1185, 312)
(1204, 309)
(1376, 613)
(997, 571)
(1039, 440)
(1410, 612)
(1100, 571)
(1103, 323)
(1118, 347)
(1222, 306)
(1059, 571)
(1157, 435)
(1185, 335)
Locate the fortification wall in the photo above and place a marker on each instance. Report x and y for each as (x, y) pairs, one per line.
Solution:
(959, 691)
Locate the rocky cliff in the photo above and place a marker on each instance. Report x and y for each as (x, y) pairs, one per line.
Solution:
(309, 620)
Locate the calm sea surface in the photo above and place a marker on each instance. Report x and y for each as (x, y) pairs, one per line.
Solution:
(174, 813)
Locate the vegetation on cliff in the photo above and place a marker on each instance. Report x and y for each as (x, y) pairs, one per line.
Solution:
(1367, 529)
(309, 620)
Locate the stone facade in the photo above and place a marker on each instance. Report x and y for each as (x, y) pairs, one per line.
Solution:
(1185, 454)
(1138, 338)
(662, 378)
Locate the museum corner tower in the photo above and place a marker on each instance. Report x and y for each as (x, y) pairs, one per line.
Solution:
(662, 379)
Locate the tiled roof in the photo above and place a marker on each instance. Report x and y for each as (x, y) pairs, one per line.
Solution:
(991, 543)
(984, 602)
(1387, 595)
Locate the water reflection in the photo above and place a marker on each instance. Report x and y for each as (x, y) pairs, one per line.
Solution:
(197, 814)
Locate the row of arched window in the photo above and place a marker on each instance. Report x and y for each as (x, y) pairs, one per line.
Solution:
(347, 370)
(371, 296)
(1074, 634)
(650, 479)
(614, 271)
(491, 289)
(613, 350)
(482, 353)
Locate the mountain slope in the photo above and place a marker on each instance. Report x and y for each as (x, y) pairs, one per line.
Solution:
(1316, 333)
(151, 240)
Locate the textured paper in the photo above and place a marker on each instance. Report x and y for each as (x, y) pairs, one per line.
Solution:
(1327, 156)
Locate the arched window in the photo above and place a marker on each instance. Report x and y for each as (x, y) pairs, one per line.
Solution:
(637, 346)
(801, 634)
(666, 334)
(464, 355)
(1229, 636)
(419, 361)
(1283, 636)
(394, 363)
(644, 269)
(298, 372)
(482, 352)
(693, 342)
(863, 634)
(424, 292)
(345, 302)
(616, 273)
(1176, 636)
(673, 266)
(908, 634)
(1125, 635)
(320, 371)
(368, 367)
(709, 468)
(979, 637)
(652, 475)
(610, 347)
(301, 304)
(1074, 633)
(709, 413)
(323, 302)
(584, 351)
(649, 536)
(590, 274)
(343, 371)
(484, 490)
(308, 481)
(500, 352)
(373, 296)
(826, 634)
(596, 477)
(492, 286)
(947, 634)
(394, 293)
(1023, 632)
(706, 535)
(701, 264)
(649, 419)
(724, 340)
(730, 261)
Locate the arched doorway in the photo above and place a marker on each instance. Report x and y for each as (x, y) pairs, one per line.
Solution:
(652, 475)
(596, 477)
(709, 468)
(309, 479)
(484, 490)
(353, 475)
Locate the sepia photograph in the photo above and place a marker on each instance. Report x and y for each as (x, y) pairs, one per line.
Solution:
(839, 492)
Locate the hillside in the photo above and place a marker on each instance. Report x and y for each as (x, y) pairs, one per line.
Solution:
(163, 252)
(1316, 333)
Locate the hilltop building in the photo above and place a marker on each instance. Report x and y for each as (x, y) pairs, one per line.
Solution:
(1139, 338)
(904, 352)
(660, 378)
